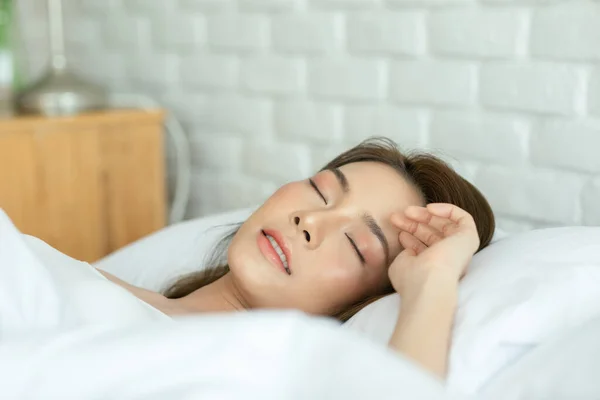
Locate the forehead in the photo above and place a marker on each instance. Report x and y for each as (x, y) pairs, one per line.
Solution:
(379, 188)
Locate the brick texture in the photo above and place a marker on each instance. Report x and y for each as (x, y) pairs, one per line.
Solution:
(507, 91)
(433, 82)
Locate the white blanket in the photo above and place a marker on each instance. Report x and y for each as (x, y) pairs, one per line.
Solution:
(60, 338)
(252, 356)
(43, 289)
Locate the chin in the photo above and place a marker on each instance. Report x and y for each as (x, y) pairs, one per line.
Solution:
(252, 273)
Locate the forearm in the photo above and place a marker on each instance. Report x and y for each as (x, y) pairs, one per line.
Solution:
(424, 327)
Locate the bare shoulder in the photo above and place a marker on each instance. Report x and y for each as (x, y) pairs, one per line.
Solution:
(121, 282)
(156, 300)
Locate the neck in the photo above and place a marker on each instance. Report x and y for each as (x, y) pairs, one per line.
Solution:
(220, 296)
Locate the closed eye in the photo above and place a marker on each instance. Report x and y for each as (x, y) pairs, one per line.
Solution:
(358, 253)
(352, 242)
(314, 185)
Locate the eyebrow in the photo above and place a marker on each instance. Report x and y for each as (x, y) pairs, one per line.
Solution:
(367, 218)
(341, 178)
(378, 232)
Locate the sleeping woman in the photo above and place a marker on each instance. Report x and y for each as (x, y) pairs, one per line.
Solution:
(371, 222)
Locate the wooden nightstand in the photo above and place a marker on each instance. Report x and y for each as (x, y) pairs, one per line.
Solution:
(88, 184)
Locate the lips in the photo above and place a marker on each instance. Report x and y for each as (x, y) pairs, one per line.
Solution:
(269, 251)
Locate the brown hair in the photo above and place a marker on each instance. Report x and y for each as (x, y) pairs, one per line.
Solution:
(436, 180)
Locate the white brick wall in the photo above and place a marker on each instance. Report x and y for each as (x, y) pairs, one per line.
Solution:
(500, 139)
(155, 70)
(594, 93)
(487, 33)
(236, 32)
(272, 74)
(537, 87)
(315, 121)
(565, 32)
(567, 144)
(388, 33)
(345, 4)
(269, 90)
(434, 82)
(306, 33)
(346, 78)
(207, 151)
(232, 113)
(178, 31)
(591, 193)
(208, 71)
(361, 121)
(278, 161)
(268, 5)
(550, 196)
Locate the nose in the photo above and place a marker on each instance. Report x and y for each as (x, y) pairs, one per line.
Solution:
(312, 226)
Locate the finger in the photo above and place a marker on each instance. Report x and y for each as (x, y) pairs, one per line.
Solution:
(452, 212)
(422, 215)
(425, 233)
(406, 253)
(409, 242)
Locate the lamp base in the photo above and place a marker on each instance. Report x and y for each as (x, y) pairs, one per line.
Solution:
(60, 92)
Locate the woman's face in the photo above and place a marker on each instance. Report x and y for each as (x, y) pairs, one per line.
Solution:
(335, 235)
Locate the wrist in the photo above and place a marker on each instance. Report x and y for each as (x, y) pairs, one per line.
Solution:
(438, 287)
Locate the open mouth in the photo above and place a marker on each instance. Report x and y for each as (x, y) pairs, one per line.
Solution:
(277, 247)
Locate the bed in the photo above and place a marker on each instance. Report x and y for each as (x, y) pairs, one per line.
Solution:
(526, 328)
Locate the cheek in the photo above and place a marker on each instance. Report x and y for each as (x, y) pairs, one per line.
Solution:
(236, 250)
(290, 191)
(338, 272)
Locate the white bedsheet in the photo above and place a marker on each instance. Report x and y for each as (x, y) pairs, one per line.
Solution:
(53, 347)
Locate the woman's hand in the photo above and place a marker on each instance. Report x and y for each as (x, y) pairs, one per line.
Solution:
(438, 240)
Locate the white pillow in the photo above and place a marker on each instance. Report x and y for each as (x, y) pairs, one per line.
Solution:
(563, 368)
(519, 292)
(157, 259)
